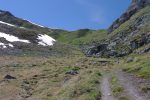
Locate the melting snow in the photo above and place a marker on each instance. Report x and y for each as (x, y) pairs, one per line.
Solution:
(12, 38)
(7, 24)
(11, 25)
(3, 46)
(10, 45)
(45, 40)
(22, 27)
(35, 24)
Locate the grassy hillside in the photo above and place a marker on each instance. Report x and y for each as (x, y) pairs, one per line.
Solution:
(78, 37)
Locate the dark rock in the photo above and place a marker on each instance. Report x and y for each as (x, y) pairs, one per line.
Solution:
(112, 53)
(145, 39)
(72, 72)
(123, 53)
(97, 50)
(134, 44)
(9, 77)
(146, 50)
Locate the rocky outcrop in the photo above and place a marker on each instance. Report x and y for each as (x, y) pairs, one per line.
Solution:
(135, 6)
(136, 43)
(97, 50)
(132, 34)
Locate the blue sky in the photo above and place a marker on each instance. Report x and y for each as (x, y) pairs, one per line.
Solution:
(67, 14)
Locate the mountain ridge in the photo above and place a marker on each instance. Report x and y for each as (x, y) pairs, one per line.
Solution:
(134, 7)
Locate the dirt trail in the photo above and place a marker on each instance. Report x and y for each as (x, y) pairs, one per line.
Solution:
(106, 90)
(130, 89)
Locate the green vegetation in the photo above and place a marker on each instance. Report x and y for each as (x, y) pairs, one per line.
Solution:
(117, 89)
(80, 37)
(82, 87)
(46, 78)
(140, 66)
(71, 68)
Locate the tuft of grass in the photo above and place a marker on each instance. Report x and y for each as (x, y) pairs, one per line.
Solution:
(83, 87)
(71, 68)
(118, 90)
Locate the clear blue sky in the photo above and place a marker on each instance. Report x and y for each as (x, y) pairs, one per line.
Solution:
(67, 14)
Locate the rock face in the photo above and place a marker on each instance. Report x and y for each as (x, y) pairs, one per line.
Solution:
(135, 6)
(136, 43)
(99, 49)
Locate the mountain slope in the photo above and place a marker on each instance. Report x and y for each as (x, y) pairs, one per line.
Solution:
(80, 37)
(129, 36)
(134, 7)
(18, 36)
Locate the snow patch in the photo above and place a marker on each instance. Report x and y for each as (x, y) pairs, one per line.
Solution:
(45, 40)
(12, 38)
(7, 24)
(3, 46)
(36, 24)
(22, 27)
(10, 45)
(11, 25)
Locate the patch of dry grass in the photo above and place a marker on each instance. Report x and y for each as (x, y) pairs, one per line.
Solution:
(46, 79)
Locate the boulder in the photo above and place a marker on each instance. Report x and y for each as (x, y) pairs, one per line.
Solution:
(130, 60)
(97, 50)
(144, 39)
(72, 72)
(9, 77)
(146, 50)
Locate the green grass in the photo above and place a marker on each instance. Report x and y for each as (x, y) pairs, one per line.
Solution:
(80, 37)
(140, 66)
(118, 90)
(84, 87)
